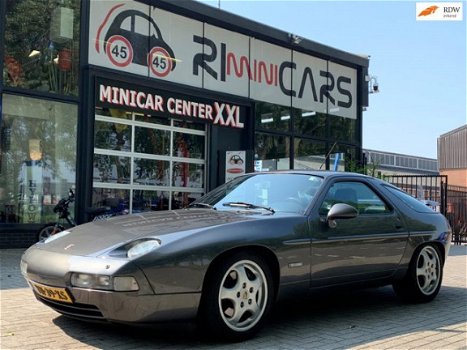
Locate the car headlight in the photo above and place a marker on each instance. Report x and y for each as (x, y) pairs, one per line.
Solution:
(86, 280)
(142, 247)
(56, 236)
(91, 281)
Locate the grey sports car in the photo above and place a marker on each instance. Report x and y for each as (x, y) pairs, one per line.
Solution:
(227, 257)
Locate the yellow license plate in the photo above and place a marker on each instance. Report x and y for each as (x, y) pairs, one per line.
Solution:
(53, 293)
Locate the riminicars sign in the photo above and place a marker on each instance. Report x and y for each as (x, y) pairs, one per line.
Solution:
(145, 40)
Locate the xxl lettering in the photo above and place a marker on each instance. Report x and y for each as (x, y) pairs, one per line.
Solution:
(345, 92)
(201, 59)
(219, 110)
(282, 68)
(324, 91)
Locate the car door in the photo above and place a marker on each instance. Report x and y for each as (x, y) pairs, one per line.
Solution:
(369, 246)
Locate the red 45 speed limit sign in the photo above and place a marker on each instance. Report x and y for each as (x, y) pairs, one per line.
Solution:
(119, 51)
(159, 61)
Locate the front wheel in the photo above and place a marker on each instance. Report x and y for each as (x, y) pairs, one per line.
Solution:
(48, 231)
(423, 279)
(237, 297)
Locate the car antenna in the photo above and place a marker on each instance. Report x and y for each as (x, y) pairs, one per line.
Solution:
(327, 155)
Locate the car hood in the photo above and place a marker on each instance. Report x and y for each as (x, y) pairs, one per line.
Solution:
(94, 238)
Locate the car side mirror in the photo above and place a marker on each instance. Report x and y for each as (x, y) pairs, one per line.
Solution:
(340, 211)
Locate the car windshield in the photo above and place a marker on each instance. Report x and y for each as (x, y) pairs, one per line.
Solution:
(279, 192)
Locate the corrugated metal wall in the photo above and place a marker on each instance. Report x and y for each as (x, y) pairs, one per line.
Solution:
(452, 149)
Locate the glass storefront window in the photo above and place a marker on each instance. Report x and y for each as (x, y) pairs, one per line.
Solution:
(152, 141)
(112, 136)
(151, 172)
(188, 175)
(114, 113)
(343, 129)
(116, 199)
(37, 158)
(343, 158)
(150, 200)
(151, 119)
(309, 154)
(272, 152)
(42, 45)
(143, 159)
(188, 145)
(309, 123)
(272, 117)
(182, 199)
(111, 169)
(188, 125)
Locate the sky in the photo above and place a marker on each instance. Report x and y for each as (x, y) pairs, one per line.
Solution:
(420, 65)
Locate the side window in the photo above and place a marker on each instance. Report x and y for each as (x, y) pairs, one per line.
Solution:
(126, 24)
(356, 194)
(141, 25)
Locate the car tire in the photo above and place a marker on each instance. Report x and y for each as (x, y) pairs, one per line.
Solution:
(48, 231)
(423, 279)
(237, 297)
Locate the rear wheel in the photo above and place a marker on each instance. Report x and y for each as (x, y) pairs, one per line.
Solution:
(237, 297)
(48, 231)
(423, 279)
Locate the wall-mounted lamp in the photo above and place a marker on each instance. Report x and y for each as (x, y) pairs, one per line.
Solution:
(294, 39)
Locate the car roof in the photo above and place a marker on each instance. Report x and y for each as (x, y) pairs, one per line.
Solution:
(321, 173)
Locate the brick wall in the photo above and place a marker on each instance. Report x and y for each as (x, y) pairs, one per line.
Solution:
(17, 238)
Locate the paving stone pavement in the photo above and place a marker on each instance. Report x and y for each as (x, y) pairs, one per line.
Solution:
(366, 319)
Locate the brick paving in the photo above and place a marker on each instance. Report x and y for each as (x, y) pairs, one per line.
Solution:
(367, 319)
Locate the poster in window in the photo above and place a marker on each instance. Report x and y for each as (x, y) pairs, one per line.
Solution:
(234, 164)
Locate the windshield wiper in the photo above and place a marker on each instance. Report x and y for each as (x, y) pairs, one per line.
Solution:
(202, 205)
(247, 206)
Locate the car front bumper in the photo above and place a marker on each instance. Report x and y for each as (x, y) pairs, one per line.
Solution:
(49, 271)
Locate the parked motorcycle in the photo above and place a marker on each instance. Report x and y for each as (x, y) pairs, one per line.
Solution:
(65, 220)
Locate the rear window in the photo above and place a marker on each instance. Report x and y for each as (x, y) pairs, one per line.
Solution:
(412, 202)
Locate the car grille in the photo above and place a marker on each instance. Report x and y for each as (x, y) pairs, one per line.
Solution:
(83, 311)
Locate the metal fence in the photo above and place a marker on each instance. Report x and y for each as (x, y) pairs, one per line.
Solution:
(429, 188)
(456, 212)
(434, 190)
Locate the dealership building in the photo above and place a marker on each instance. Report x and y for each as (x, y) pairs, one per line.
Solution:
(146, 105)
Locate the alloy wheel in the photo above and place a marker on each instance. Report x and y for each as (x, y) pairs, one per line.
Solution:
(243, 295)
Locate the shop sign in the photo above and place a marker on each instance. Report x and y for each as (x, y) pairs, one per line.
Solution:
(145, 40)
(162, 103)
(234, 164)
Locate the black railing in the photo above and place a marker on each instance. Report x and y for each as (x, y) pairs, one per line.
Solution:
(456, 212)
(451, 201)
(430, 188)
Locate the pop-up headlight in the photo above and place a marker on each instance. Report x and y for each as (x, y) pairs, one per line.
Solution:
(56, 236)
(142, 248)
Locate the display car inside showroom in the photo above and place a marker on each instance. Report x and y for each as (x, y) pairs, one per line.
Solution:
(147, 105)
